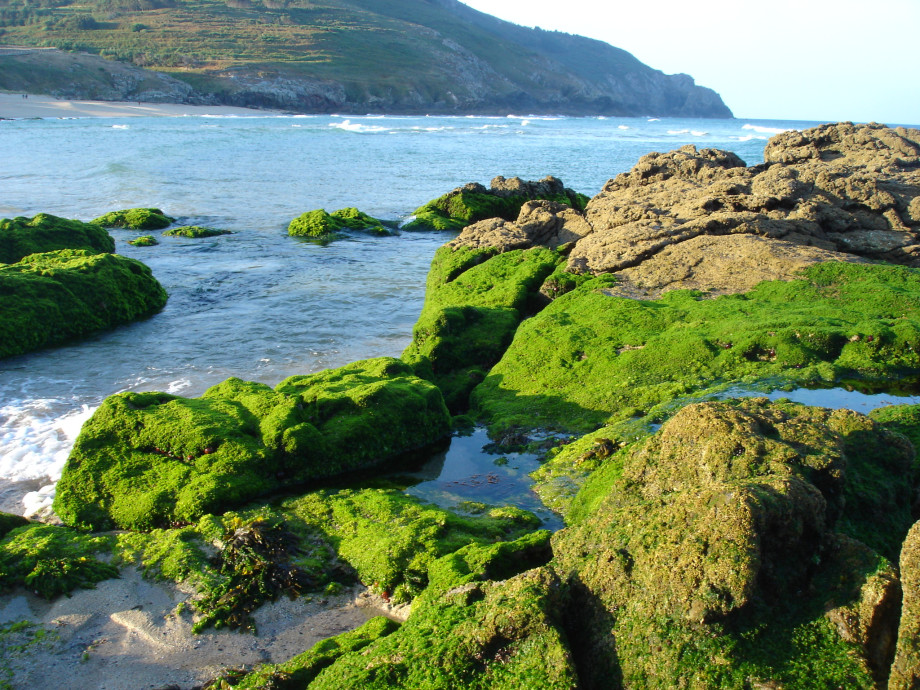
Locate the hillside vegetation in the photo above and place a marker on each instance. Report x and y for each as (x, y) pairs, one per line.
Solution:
(323, 55)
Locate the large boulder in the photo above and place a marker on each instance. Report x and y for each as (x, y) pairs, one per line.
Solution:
(52, 298)
(713, 549)
(150, 459)
(905, 672)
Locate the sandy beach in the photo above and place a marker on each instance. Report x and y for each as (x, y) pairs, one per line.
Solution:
(14, 106)
(131, 633)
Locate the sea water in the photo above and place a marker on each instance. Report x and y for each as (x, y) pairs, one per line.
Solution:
(258, 304)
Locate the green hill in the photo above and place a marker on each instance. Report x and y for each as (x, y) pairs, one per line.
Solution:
(408, 56)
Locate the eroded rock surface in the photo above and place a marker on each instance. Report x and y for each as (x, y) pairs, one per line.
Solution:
(701, 219)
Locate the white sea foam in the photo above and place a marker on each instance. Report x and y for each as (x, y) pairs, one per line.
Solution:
(35, 439)
(698, 133)
(35, 502)
(678, 131)
(349, 126)
(524, 123)
(120, 126)
(750, 137)
(766, 130)
(654, 119)
(623, 127)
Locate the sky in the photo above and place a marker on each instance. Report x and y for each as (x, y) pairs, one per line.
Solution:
(820, 60)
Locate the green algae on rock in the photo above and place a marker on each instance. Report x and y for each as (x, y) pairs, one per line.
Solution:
(51, 298)
(51, 560)
(905, 671)
(144, 241)
(388, 540)
(21, 236)
(148, 459)
(392, 540)
(503, 199)
(590, 358)
(136, 219)
(9, 522)
(320, 224)
(708, 557)
(474, 301)
(194, 231)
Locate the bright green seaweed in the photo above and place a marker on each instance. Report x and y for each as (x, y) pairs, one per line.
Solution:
(459, 208)
(474, 301)
(590, 358)
(194, 231)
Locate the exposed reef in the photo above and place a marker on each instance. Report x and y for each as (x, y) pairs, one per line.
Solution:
(721, 544)
(52, 298)
(503, 199)
(194, 231)
(20, 237)
(136, 219)
(321, 225)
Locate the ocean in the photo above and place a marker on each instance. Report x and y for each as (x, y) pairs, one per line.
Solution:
(257, 304)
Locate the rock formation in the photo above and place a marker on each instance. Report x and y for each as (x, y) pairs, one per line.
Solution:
(700, 219)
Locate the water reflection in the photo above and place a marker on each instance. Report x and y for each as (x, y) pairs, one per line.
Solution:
(465, 471)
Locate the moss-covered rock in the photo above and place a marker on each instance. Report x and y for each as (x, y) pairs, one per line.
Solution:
(708, 556)
(136, 219)
(49, 299)
(147, 459)
(194, 231)
(474, 301)
(20, 237)
(144, 241)
(503, 199)
(51, 560)
(590, 358)
(320, 224)
(905, 672)
(9, 522)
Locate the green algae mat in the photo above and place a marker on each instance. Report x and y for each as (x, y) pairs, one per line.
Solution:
(589, 358)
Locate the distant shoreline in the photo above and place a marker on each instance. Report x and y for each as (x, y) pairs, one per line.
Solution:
(14, 107)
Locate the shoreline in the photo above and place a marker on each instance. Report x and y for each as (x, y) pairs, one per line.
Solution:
(14, 106)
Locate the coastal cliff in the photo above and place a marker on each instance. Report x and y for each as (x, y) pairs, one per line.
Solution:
(406, 56)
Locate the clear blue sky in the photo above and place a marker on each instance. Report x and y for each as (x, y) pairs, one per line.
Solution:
(783, 59)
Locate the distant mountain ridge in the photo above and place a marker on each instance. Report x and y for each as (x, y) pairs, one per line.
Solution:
(396, 56)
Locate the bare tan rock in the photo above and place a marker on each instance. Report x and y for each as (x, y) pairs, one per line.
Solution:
(719, 266)
(701, 219)
(540, 223)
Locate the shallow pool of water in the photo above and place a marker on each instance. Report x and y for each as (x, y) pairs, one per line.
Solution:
(465, 471)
